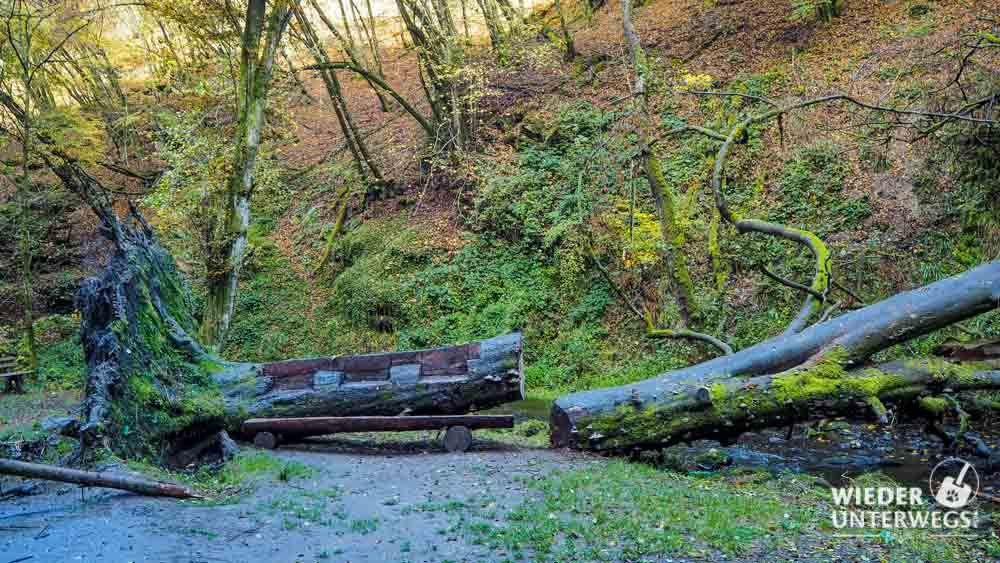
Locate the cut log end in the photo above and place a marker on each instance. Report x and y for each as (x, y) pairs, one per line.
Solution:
(561, 428)
(457, 439)
(265, 440)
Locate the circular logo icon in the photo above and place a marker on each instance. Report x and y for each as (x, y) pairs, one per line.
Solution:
(954, 482)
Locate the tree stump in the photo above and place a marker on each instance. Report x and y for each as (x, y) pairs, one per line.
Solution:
(457, 439)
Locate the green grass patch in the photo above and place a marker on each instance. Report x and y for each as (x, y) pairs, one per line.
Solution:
(235, 478)
(631, 511)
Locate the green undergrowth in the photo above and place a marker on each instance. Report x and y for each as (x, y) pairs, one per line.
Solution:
(61, 365)
(525, 257)
(269, 323)
(522, 265)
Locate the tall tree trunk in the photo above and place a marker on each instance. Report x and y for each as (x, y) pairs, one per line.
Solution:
(24, 188)
(229, 239)
(678, 274)
(567, 38)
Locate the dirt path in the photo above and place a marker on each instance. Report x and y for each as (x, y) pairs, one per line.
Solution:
(359, 505)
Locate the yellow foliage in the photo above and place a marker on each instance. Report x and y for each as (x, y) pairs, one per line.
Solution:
(696, 81)
(640, 237)
(72, 132)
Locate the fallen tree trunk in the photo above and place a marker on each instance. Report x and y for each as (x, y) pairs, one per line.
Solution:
(153, 390)
(92, 479)
(698, 401)
(450, 380)
(320, 426)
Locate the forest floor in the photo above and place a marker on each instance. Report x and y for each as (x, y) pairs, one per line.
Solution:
(352, 506)
(400, 497)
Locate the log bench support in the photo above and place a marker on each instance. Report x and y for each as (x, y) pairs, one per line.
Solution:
(12, 380)
(270, 433)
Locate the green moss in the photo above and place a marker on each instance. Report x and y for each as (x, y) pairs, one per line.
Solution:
(877, 407)
(826, 377)
(823, 381)
(944, 371)
(166, 392)
(934, 405)
(211, 366)
(715, 252)
(718, 392)
(673, 232)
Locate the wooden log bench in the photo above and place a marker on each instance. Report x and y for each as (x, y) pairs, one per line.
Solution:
(12, 379)
(271, 432)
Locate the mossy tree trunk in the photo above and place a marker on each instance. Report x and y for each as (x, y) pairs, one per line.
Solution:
(570, 52)
(262, 33)
(818, 372)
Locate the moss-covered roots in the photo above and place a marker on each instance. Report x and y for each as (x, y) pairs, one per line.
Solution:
(149, 381)
(820, 389)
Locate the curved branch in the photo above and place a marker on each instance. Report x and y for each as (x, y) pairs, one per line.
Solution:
(726, 349)
(821, 279)
(789, 283)
(703, 130)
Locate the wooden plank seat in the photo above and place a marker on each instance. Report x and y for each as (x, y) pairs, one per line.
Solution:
(9, 374)
(271, 432)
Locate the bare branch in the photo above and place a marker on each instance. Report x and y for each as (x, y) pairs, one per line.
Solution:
(789, 283)
(726, 349)
(344, 65)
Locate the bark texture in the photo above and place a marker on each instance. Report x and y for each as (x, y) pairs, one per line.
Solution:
(450, 380)
(291, 428)
(816, 372)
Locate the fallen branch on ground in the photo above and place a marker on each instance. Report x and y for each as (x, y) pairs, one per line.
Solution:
(92, 479)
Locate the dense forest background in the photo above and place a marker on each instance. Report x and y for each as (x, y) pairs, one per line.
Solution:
(716, 236)
(536, 215)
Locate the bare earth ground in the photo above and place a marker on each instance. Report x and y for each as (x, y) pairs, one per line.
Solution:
(358, 506)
